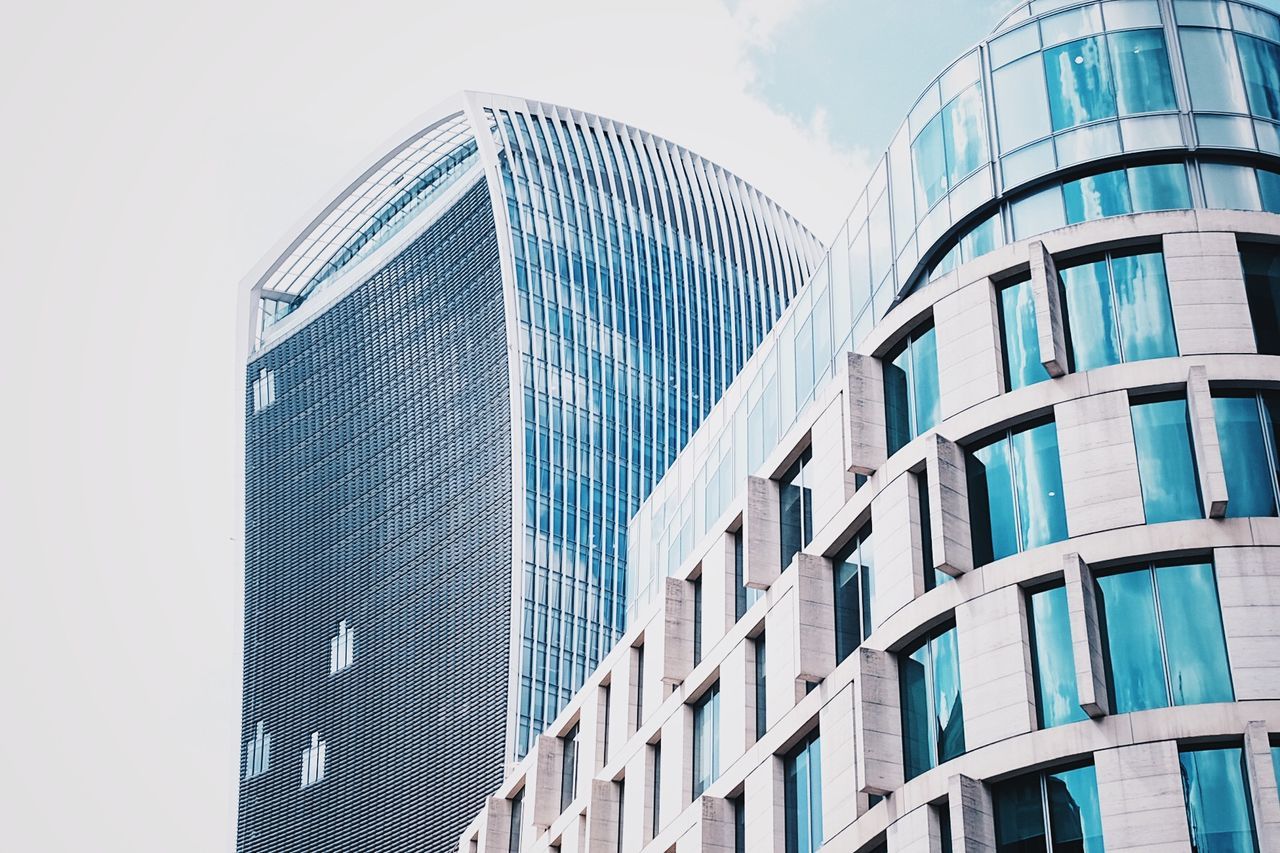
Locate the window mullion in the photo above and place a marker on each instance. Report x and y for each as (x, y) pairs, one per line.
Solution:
(1268, 441)
(1013, 490)
(1044, 811)
(1115, 310)
(912, 420)
(931, 701)
(1164, 651)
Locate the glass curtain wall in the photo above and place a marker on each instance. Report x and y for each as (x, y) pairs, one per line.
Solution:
(1015, 492)
(1052, 663)
(1247, 433)
(854, 579)
(1054, 812)
(911, 388)
(802, 783)
(1218, 812)
(932, 713)
(1166, 459)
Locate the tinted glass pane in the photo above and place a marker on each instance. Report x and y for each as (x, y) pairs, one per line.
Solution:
(848, 601)
(1075, 820)
(1020, 344)
(1217, 801)
(868, 586)
(1091, 326)
(964, 130)
(897, 405)
(1142, 307)
(1080, 86)
(991, 503)
(796, 802)
(1019, 815)
(1262, 282)
(1275, 760)
(1054, 666)
(924, 369)
(796, 513)
(1141, 68)
(1212, 72)
(1166, 461)
(1022, 114)
(1229, 187)
(1159, 187)
(914, 689)
(1042, 515)
(1195, 649)
(1261, 63)
(1136, 672)
(949, 725)
(1096, 196)
(1250, 484)
(930, 164)
(1269, 190)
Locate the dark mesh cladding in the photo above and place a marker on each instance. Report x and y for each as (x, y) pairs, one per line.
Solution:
(378, 490)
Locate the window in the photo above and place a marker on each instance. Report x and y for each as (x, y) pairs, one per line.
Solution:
(1275, 759)
(706, 740)
(739, 823)
(342, 648)
(1247, 434)
(1262, 284)
(569, 767)
(854, 588)
(264, 389)
(1162, 631)
(517, 822)
(1261, 63)
(796, 513)
(762, 719)
(1053, 666)
(257, 753)
(1067, 800)
(1218, 811)
(607, 701)
(933, 578)
(622, 811)
(944, 826)
(911, 387)
(1104, 76)
(1015, 493)
(932, 717)
(697, 621)
(744, 596)
(1213, 74)
(313, 761)
(802, 783)
(950, 147)
(1166, 459)
(655, 755)
(639, 686)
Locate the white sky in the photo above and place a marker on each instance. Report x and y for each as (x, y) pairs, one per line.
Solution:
(151, 153)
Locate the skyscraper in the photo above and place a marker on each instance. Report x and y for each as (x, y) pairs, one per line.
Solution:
(466, 371)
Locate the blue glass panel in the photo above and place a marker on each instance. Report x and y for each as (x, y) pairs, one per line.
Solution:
(1042, 515)
(1019, 333)
(924, 371)
(1075, 818)
(1096, 196)
(853, 568)
(1019, 815)
(706, 740)
(983, 238)
(991, 508)
(1262, 283)
(897, 401)
(1021, 112)
(1080, 84)
(930, 164)
(1229, 187)
(948, 708)
(1142, 305)
(1140, 65)
(1261, 63)
(913, 686)
(1213, 73)
(1159, 187)
(1166, 461)
(802, 797)
(1275, 760)
(964, 130)
(1269, 190)
(1053, 664)
(1218, 809)
(796, 509)
(1195, 649)
(1136, 671)
(1093, 336)
(1249, 472)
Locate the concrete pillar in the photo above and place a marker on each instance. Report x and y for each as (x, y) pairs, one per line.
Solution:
(602, 817)
(1050, 330)
(895, 525)
(814, 629)
(495, 829)
(623, 693)
(719, 592)
(917, 831)
(782, 666)
(1262, 786)
(1100, 484)
(1086, 636)
(542, 790)
(1204, 435)
(1140, 798)
(840, 795)
(765, 808)
(1249, 591)
(970, 355)
(591, 733)
(877, 722)
(762, 548)
(712, 830)
(677, 762)
(832, 481)
(973, 826)
(737, 702)
(1207, 294)
(677, 632)
(868, 442)
(951, 537)
(995, 667)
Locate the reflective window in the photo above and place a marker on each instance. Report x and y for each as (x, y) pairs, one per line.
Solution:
(1213, 74)
(1038, 213)
(932, 719)
(1096, 196)
(1140, 65)
(762, 693)
(1052, 663)
(1159, 187)
(744, 596)
(264, 389)
(1229, 187)
(1247, 434)
(1067, 799)
(1015, 493)
(1019, 336)
(706, 740)
(933, 577)
(802, 784)
(1104, 76)
(1262, 284)
(796, 515)
(569, 767)
(257, 753)
(1218, 811)
(1022, 112)
(1261, 63)
(517, 822)
(697, 621)
(1163, 637)
(313, 763)
(1117, 309)
(911, 388)
(853, 575)
(949, 148)
(1166, 459)
(1269, 187)
(655, 804)
(342, 648)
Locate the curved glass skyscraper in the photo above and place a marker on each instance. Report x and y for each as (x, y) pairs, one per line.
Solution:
(466, 372)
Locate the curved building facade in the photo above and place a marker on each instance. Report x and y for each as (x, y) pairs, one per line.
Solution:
(465, 373)
(981, 550)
